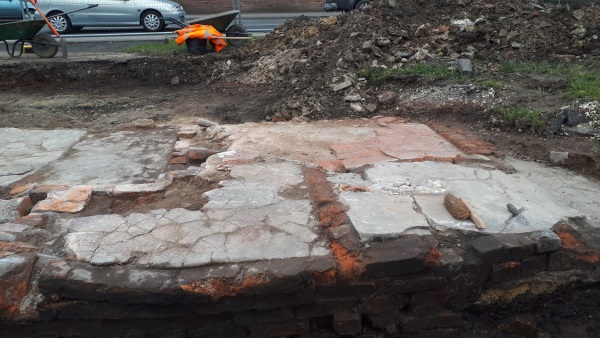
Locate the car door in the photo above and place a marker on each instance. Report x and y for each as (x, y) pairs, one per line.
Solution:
(10, 10)
(114, 12)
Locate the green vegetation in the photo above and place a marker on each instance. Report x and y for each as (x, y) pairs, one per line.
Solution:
(583, 82)
(378, 75)
(494, 84)
(523, 117)
(157, 49)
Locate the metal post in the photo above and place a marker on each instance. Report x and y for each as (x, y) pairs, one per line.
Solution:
(63, 48)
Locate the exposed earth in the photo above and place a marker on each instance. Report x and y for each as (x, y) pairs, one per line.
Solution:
(308, 70)
(327, 70)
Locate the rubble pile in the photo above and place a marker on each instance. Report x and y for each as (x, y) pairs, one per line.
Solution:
(314, 64)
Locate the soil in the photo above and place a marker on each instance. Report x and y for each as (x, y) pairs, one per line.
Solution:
(290, 74)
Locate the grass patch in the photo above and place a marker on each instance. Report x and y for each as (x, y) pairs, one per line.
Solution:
(378, 75)
(157, 49)
(521, 118)
(494, 84)
(583, 82)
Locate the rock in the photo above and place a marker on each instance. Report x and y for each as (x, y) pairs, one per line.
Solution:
(6, 237)
(387, 98)
(579, 14)
(348, 56)
(392, 3)
(515, 45)
(582, 129)
(546, 241)
(556, 123)
(206, 123)
(367, 47)
(533, 6)
(343, 85)
(421, 31)
(465, 67)
(371, 107)
(357, 107)
(382, 42)
(558, 157)
(352, 98)
(139, 124)
(574, 117)
(579, 32)
(175, 80)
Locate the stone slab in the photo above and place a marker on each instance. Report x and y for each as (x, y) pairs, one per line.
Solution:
(248, 219)
(487, 190)
(126, 157)
(382, 215)
(23, 152)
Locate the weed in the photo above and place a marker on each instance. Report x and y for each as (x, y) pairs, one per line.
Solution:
(157, 49)
(523, 117)
(493, 84)
(583, 82)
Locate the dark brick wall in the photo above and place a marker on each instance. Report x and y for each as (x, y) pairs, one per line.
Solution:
(414, 290)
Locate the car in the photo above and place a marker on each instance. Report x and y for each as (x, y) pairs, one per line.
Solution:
(14, 10)
(345, 5)
(69, 16)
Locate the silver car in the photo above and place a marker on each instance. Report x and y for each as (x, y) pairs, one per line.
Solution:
(67, 15)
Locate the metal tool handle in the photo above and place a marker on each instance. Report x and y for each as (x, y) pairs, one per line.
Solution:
(513, 210)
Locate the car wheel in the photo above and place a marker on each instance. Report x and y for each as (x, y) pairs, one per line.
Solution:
(29, 14)
(61, 23)
(362, 4)
(44, 46)
(151, 21)
(236, 30)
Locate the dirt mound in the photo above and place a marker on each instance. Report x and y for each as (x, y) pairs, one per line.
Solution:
(314, 64)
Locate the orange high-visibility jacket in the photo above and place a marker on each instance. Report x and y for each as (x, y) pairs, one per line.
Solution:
(201, 32)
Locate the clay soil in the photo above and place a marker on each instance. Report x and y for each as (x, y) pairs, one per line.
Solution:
(289, 75)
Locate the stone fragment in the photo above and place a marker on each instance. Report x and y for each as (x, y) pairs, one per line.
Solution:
(175, 80)
(421, 31)
(70, 201)
(382, 42)
(574, 117)
(356, 107)
(387, 98)
(343, 85)
(6, 237)
(352, 98)
(14, 208)
(182, 145)
(546, 241)
(367, 47)
(556, 123)
(559, 157)
(206, 123)
(465, 67)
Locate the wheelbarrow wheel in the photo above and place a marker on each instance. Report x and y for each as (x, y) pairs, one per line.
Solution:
(236, 30)
(44, 46)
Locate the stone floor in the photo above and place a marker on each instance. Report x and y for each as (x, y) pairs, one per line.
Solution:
(388, 180)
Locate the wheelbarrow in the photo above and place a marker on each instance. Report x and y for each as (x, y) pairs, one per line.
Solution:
(26, 31)
(43, 45)
(236, 34)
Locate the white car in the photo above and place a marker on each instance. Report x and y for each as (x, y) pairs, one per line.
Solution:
(70, 15)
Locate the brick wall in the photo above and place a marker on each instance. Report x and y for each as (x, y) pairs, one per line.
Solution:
(407, 288)
(195, 7)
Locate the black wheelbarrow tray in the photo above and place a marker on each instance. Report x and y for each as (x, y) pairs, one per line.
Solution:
(43, 45)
